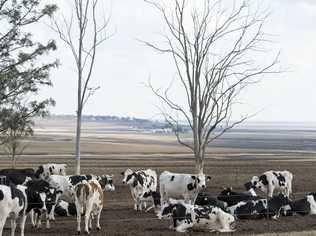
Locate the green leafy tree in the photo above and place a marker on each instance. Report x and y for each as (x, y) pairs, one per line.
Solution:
(23, 67)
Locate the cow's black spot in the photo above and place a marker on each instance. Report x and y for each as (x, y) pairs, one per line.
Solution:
(172, 178)
(263, 179)
(1, 195)
(50, 170)
(191, 186)
(193, 177)
(280, 178)
(75, 179)
(39, 171)
(16, 193)
(60, 211)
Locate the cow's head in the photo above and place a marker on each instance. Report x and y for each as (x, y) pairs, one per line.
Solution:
(200, 180)
(259, 182)
(106, 182)
(126, 175)
(282, 199)
(52, 195)
(39, 172)
(166, 210)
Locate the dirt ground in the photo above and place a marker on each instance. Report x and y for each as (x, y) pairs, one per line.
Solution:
(119, 218)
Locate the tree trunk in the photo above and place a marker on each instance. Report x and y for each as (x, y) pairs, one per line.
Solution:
(78, 135)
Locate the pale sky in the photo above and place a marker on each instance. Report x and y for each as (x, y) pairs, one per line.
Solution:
(124, 64)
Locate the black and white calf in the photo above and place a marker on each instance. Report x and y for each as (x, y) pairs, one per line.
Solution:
(143, 184)
(49, 169)
(232, 198)
(185, 216)
(272, 180)
(18, 201)
(64, 208)
(305, 206)
(181, 186)
(261, 208)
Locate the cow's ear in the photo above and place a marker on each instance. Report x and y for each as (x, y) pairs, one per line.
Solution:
(193, 177)
(208, 178)
(122, 173)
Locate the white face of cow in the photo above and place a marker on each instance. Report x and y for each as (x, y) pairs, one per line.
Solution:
(109, 185)
(256, 183)
(226, 222)
(201, 180)
(43, 199)
(126, 176)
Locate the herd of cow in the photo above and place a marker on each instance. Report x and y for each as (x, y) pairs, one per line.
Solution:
(48, 191)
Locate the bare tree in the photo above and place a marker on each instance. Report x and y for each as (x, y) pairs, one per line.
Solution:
(215, 52)
(82, 33)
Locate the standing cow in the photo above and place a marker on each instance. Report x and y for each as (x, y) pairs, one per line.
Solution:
(143, 185)
(272, 180)
(89, 202)
(181, 186)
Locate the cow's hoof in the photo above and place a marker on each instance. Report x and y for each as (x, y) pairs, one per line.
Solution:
(86, 232)
(98, 228)
(78, 232)
(90, 229)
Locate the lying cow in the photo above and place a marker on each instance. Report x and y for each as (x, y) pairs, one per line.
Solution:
(49, 169)
(89, 202)
(205, 199)
(185, 216)
(271, 180)
(142, 184)
(305, 206)
(64, 208)
(181, 186)
(17, 176)
(18, 201)
(261, 208)
(232, 198)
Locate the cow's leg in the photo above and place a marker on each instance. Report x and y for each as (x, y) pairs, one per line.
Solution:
(38, 220)
(270, 190)
(98, 218)
(22, 224)
(13, 225)
(78, 210)
(32, 218)
(3, 217)
(47, 220)
(182, 228)
(87, 217)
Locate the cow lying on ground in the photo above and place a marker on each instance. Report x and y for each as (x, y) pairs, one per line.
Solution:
(17, 176)
(18, 201)
(181, 186)
(257, 209)
(89, 202)
(64, 208)
(49, 169)
(185, 216)
(305, 206)
(205, 199)
(271, 180)
(142, 184)
(233, 198)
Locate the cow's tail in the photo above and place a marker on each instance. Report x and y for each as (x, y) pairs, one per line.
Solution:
(82, 193)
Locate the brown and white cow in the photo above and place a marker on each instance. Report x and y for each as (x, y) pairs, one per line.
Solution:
(89, 202)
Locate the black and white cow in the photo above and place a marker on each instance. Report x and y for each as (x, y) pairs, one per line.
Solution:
(305, 206)
(64, 208)
(185, 216)
(143, 184)
(181, 186)
(257, 209)
(17, 176)
(274, 180)
(205, 199)
(232, 198)
(18, 201)
(49, 169)
(51, 201)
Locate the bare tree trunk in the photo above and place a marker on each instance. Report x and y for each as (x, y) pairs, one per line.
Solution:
(78, 136)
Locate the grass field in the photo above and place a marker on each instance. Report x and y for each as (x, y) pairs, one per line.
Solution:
(231, 162)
